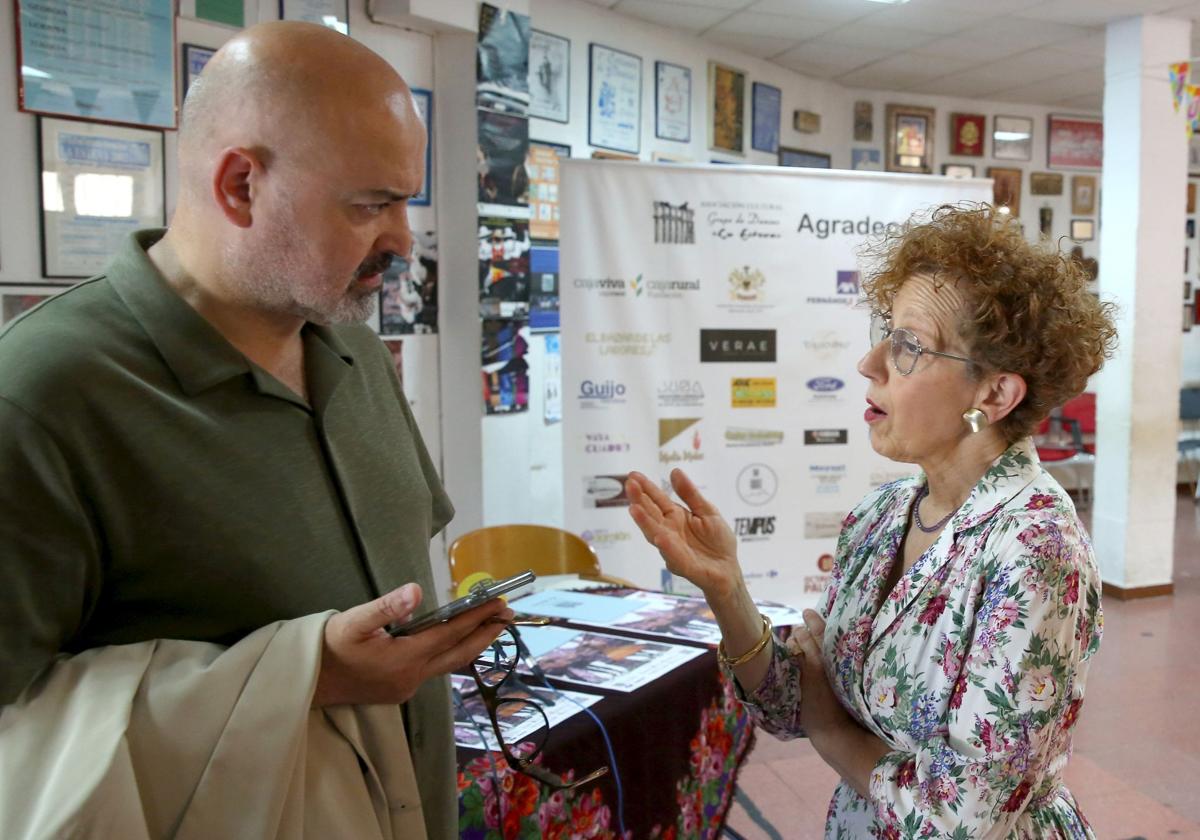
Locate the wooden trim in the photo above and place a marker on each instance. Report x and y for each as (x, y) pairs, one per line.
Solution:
(1121, 593)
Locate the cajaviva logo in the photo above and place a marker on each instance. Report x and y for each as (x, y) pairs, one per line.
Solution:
(637, 286)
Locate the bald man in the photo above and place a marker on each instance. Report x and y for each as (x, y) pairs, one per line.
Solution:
(205, 455)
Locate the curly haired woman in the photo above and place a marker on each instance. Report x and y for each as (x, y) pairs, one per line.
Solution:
(947, 666)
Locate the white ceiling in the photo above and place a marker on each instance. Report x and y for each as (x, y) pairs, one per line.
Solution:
(1044, 52)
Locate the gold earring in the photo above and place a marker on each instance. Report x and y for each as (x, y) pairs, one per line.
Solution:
(975, 419)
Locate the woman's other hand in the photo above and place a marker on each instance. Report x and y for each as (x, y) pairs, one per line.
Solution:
(845, 745)
(820, 711)
(692, 538)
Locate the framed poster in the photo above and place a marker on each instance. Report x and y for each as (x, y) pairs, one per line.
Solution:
(766, 101)
(866, 159)
(726, 108)
(408, 294)
(1194, 156)
(800, 157)
(18, 299)
(98, 183)
(542, 165)
(502, 61)
(424, 100)
(1191, 197)
(1045, 183)
(1075, 142)
(806, 122)
(194, 59)
(549, 76)
(502, 146)
(909, 139)
(966, 134)
(1083, 230)
(1012, 138)
(672, 102)
(1006, 188)
(959, 170)
(332, 13)
(614, 99)
(1083, 194)
(75, 66)
(864, 121)
(1188, 316)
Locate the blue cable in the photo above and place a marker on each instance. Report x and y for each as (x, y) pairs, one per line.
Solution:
(612, 758)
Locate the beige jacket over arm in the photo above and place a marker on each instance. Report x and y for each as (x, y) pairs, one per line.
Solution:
(196, 741)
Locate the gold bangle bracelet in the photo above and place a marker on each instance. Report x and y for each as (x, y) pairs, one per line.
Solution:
(735, 661)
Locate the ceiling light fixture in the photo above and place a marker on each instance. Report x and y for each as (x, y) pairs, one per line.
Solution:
(890, 2)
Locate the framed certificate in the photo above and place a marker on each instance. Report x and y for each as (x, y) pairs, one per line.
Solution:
(726, 108)
(424, 100)
(1075, 142)
(614, 99)
(549, 77)
(332, 13)
(1006, 188)
(98, 183)
(672, 102)
(1012, 138)
(802, 158)
(76, 61)
(194, 59)
(909, 139)
(766, 101)
(966, 134)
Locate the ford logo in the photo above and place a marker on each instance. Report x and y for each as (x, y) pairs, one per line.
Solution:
(826, 383)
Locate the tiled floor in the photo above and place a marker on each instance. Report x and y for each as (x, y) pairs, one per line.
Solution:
(1136, 767)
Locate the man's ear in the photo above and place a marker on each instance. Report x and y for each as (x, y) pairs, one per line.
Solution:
(231, 185)
(1000, 394)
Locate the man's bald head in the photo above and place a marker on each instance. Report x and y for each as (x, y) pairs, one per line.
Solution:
(289, 88)
(298, 152)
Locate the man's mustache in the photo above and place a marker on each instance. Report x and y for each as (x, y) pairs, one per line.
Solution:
(375, 265)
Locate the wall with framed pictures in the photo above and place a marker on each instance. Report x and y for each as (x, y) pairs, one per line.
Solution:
(674, 121)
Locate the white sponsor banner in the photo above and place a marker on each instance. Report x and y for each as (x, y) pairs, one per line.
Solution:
(711, 321)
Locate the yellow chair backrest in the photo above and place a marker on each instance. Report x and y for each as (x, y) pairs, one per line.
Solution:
(504, 550)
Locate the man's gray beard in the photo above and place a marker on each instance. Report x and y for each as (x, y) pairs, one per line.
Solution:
(278, 278)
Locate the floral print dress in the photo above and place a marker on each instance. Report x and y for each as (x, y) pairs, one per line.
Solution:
(972, 669)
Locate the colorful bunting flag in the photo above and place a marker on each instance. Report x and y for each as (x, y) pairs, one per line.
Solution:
(1179, 79)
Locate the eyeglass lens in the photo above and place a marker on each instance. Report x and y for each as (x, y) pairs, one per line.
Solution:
(906, 349)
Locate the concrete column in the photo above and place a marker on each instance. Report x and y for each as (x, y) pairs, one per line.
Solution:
(1141, 252)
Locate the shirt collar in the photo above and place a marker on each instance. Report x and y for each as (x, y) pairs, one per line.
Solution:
(1008, 475)
(197, 353)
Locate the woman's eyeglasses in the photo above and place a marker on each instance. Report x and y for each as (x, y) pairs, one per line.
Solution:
(906, 347)
(493, 671)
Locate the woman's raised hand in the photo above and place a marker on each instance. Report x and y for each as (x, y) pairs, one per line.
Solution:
(692, 538)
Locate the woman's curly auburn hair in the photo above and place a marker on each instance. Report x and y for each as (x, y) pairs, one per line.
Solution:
(1028, 310)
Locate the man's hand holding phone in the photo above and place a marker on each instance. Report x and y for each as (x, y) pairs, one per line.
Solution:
(363, 663)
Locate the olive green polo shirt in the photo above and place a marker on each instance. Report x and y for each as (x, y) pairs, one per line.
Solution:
(154, 483)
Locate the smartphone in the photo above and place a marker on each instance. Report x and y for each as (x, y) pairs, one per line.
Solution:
(481, 593)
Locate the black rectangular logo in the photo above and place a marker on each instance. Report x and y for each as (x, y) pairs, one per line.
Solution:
(737, 345)
(819, 436)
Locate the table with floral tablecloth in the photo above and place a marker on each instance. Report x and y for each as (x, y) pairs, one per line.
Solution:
(679, 742)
